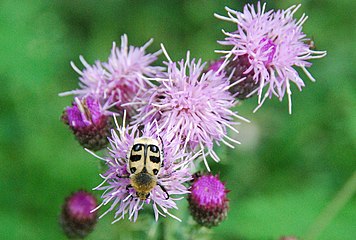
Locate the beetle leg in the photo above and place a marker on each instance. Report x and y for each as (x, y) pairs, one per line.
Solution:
(164, 190)
(128, 186)
(123, 176)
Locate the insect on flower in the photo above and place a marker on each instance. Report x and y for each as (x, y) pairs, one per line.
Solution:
(145, 159)
(128, 192)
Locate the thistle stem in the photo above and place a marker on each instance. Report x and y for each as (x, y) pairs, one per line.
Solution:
(332, 209)
(162, 230)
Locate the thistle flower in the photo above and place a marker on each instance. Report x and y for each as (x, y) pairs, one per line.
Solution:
(274, 44)
(119, 81)
(191, 106)
(76, 219)
(171, 176)
(208, 202)
(88, 123)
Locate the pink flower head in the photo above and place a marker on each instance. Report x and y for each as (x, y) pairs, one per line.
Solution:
(88, 123)
(191, 106)
(76, 218)
(171, 176)
(274, 45)
(208, 202)
(119, 81)
(79, 205)
(84, 113)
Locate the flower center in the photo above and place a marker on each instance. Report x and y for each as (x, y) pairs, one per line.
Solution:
(268, 49)
(183, 103)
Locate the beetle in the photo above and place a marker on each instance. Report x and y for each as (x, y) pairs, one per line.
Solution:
(145, 159)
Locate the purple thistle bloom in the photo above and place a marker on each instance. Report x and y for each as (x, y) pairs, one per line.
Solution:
(208, 202)
(172, 176)
(192, 106)
(89, 124)
(119, 81)
(84, 113)
(274, 44)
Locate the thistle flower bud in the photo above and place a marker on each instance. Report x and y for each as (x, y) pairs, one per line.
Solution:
(89, 125)
(208, 202)
(288, 238)
(236, 69)
(76, 219)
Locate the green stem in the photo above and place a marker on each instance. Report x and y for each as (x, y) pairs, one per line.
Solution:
(332, 209)
(162, 230)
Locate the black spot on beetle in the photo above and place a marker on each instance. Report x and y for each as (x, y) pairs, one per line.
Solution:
(137, 147)
(133, 170)
(153, 148)
(135, 158)
(155, 171)
(154, 159)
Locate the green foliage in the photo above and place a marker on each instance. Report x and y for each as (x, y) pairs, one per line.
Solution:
(285, 172)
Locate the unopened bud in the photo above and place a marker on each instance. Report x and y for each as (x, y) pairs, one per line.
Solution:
(208, 202)
(76, 219)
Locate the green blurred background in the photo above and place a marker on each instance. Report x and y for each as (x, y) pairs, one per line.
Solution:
(284, 174)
